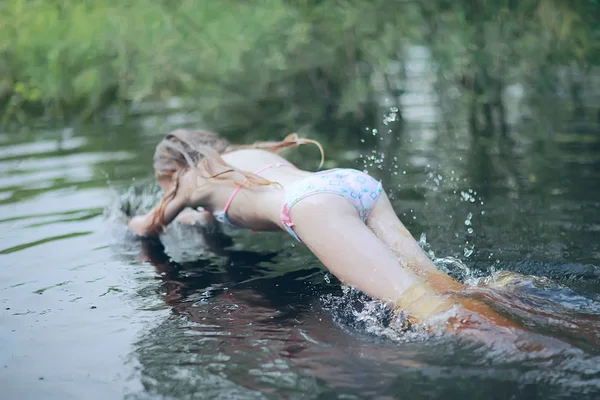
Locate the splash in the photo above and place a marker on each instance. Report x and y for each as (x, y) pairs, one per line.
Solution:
(136, 199)
(182, 242)
(357, 312)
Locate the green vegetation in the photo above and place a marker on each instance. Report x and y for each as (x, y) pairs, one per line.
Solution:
(276, 64)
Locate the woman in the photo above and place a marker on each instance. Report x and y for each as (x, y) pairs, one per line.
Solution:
(342, 215)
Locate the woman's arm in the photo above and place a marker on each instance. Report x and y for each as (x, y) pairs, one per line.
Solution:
(143, 225)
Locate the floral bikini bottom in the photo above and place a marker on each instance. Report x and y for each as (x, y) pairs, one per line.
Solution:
(360, 189)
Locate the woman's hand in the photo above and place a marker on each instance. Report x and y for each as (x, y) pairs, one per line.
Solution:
(141, 225)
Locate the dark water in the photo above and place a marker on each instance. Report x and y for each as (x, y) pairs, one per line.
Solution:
(88, 312)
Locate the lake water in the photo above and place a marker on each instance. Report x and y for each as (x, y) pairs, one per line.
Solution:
(86, 311)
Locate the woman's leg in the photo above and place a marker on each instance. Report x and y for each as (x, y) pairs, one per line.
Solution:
(331, 228)
(391, 231)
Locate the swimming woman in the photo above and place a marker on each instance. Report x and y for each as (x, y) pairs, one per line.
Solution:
(342, 215)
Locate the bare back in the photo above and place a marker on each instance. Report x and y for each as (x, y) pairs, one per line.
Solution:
(255, 159)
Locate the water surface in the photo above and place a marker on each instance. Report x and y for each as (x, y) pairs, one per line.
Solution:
(89, 312)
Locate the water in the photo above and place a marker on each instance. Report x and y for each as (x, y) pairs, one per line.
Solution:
(87, 311)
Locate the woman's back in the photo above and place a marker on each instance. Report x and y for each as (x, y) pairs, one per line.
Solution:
(253, 160)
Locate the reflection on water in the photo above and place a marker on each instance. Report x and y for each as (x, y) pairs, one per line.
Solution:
(238, 330)
(86, 310)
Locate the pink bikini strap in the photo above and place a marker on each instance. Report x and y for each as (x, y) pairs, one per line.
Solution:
(258, 171)
(285, 216)
(230, 199)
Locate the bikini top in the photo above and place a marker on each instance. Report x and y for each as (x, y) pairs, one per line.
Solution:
(221, 215)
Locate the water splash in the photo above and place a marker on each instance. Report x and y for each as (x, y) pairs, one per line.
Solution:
(377, 157)
(360, 313)
(182, 242)
(136, 199)
(450, 265)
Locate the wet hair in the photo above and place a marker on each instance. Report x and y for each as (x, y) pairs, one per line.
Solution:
(183, 149)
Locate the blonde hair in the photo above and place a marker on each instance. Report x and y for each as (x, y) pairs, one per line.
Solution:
(182, 149)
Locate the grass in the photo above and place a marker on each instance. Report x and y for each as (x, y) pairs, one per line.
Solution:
(280, 62)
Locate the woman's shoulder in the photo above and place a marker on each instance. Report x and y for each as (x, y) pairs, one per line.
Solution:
(252, 158)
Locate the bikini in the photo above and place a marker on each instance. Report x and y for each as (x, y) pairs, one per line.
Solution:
(360, 189)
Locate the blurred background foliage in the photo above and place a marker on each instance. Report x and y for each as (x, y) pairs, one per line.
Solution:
(285, 65)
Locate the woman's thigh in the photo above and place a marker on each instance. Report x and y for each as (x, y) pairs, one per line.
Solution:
(331, 228)
(390, 230)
